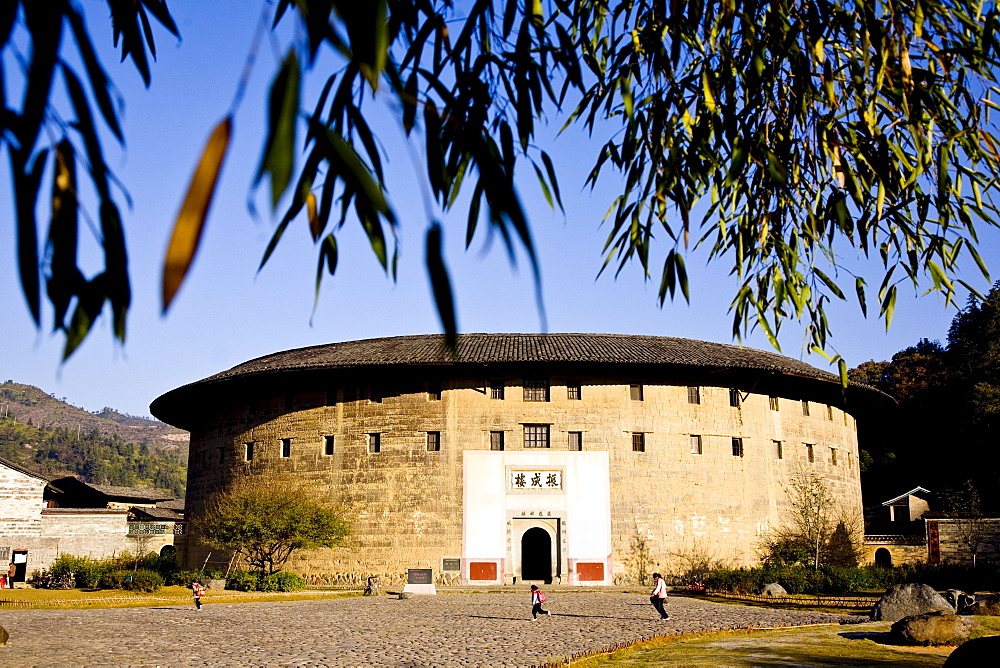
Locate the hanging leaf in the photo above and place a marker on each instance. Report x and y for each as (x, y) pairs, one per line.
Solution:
(191, 219)
(278, 159)
(441, 285)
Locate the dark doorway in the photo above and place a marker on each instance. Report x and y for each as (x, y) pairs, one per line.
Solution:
(19, 570)
(536, 555)
(883, 557)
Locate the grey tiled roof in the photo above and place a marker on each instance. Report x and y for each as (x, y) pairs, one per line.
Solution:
(172, 504)
(507, 348)
(144, 493)
(156, 513)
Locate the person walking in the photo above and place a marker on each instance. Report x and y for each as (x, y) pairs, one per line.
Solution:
(197, 591)
(537, 598)
(659, 596)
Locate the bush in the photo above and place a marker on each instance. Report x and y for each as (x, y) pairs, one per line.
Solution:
(86, 571)
(185, 578)
(138, 580)
(282, 581)
(253, 581)
(798, 579)
(242, 581)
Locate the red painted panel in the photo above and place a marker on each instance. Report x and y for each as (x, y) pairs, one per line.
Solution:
(590, 571)
(482, 570)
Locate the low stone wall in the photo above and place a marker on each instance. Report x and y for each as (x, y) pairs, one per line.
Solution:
(359, 580)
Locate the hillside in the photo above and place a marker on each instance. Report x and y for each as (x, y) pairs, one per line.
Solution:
(55, 438)
(30, 405)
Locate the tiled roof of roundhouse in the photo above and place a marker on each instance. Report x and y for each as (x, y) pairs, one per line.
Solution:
(508, 348)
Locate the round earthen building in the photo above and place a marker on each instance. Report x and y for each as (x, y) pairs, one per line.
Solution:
(576, 458)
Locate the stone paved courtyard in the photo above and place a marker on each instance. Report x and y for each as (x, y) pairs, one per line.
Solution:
(450, 629)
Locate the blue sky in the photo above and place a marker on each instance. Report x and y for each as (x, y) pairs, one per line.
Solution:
(227, 313)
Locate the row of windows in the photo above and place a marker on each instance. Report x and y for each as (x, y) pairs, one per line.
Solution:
(538, 389)
(539, 436)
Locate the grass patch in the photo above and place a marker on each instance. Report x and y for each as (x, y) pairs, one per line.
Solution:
(56, 599)
(834, 645)
(801, 605)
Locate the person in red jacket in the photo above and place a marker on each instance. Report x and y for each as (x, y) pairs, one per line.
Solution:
(537, 598)
(659, 596)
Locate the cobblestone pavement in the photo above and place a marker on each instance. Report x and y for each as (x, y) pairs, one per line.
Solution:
(450, 629)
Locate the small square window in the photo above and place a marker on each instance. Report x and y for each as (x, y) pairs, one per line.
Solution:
(773, 402)
(805, 407)
(734, 397)
(536, 389)
(810, 453)
(833, 456)
(328, 445)
(248, 451)
(638, 442)
(536, 435)
(829, 412)
(496, 389)
(374, 442)
(433, 441)
(574, 440)
(694, 394)
(573, 391)
(696, 444)
(635, 392)
(433, 391)
(737, 447)
(776, 449)
(286, 447)
(496, 440)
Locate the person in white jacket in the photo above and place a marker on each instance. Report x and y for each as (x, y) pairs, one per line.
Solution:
(659, 596)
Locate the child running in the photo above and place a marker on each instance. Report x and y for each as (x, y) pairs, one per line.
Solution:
(659, 596)
(537, 598)
(197, 591)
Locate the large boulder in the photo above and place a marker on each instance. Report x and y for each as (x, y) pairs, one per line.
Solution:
(906, 600)
(975, 653)
(932, 628)
(774, 589)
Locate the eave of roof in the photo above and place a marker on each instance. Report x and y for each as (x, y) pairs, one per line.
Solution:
(20, 469)
(490, 349)
(902, 496)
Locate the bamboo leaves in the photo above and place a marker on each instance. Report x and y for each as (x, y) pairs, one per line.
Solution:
(190, 221)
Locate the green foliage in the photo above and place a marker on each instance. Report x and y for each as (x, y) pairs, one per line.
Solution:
(86, 570)
(947, 394)
(840, 580)
(94, 456)
(255, 581)
(243, 581)
(137, 580)
(265, 521)
(798, 579)
(804, 127)
(147, 571)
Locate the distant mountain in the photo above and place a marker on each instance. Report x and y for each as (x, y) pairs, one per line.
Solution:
(53, 437)
(31, 405)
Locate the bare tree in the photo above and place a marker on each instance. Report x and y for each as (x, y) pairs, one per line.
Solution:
(812, 518)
